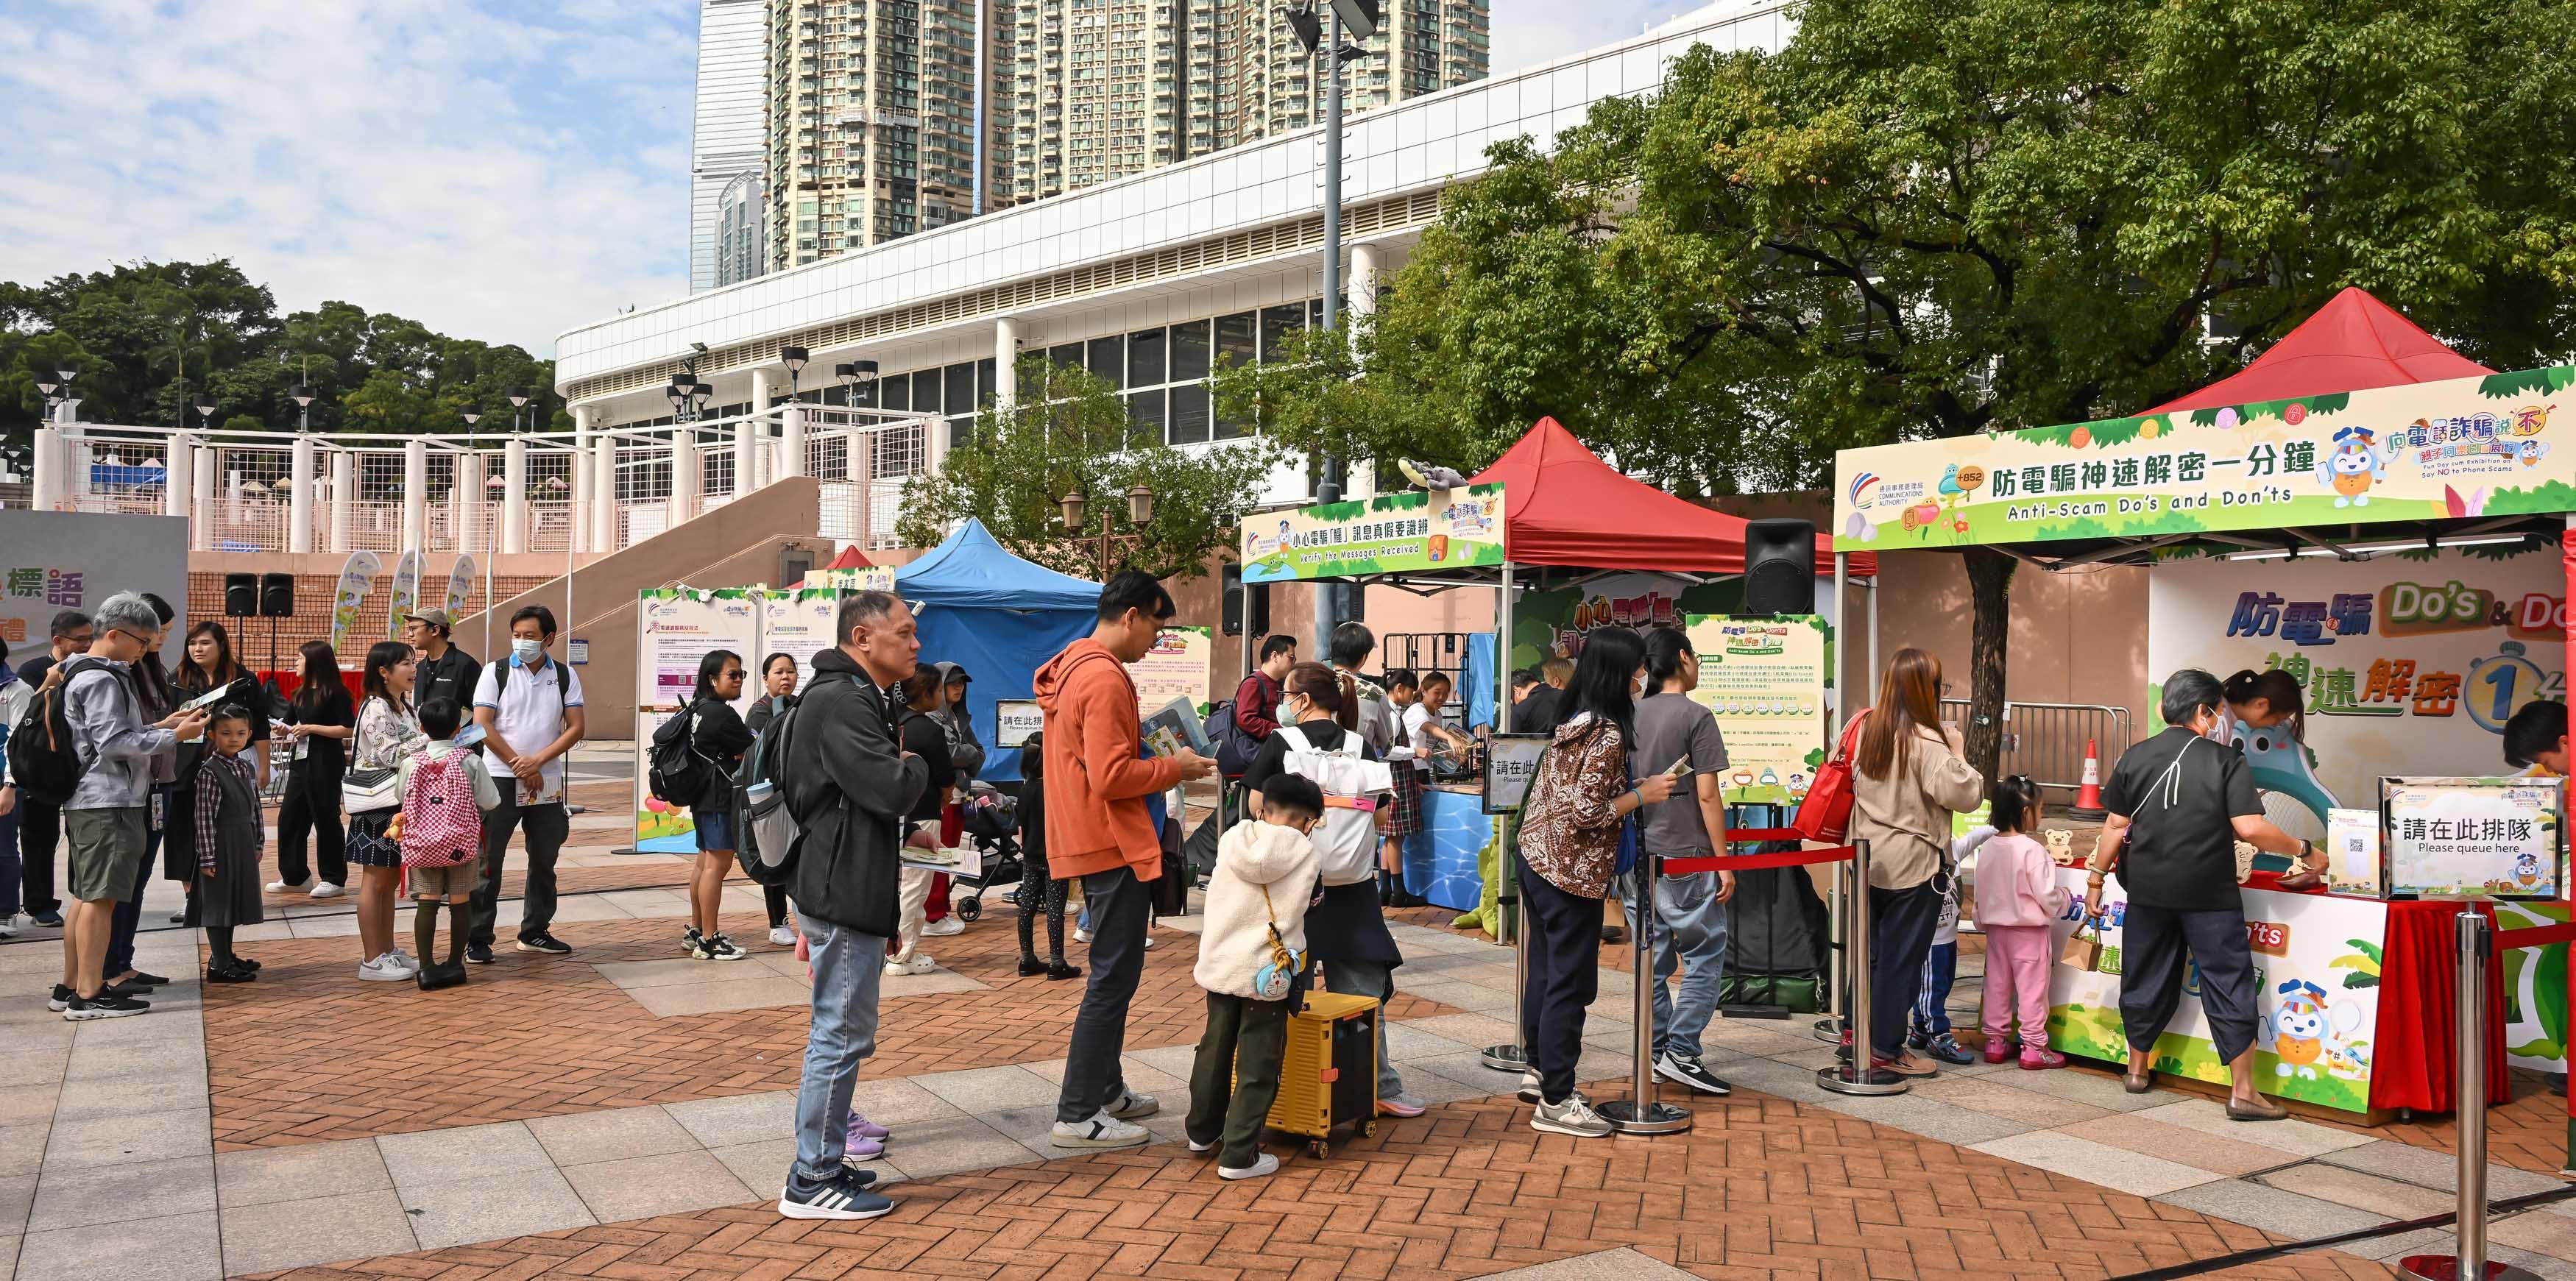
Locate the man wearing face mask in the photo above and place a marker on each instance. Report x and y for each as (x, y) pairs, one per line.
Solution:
(530, 708)
(2178, 806)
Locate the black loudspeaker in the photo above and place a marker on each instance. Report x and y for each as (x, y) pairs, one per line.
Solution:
(241, 595)
(276, 595)
(1779, 567)
(1245, 608)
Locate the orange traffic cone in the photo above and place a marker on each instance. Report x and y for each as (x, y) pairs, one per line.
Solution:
(2088, 797)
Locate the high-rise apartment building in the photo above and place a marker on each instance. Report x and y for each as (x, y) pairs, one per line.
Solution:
(725, 138)
(872, 122)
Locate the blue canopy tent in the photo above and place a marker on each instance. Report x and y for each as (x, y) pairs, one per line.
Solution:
(999, 617)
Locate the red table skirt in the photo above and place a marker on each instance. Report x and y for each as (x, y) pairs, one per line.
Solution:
(2415, 1053)
(288, 681)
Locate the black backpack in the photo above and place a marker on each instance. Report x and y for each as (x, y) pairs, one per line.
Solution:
(43, 763)
(674, 771)
(767, 835)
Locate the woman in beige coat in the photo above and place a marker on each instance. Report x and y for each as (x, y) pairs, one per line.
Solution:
(1909, 776)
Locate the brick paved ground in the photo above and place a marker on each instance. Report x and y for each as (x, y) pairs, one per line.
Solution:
(309, 1054)
(1761, 1188)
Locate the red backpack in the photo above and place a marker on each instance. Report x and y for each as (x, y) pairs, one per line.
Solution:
(441, 827)
(1825, 814)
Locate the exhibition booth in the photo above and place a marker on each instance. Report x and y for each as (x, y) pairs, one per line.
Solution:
(2389, 524)
(1571, 545)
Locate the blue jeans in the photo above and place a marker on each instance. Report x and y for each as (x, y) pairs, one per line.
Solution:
(1940, 974)
(1369, 978)
(1690, 934)
(1121, 910)
(848, 967)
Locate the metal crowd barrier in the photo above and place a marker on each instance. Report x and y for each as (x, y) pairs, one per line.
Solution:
(2046, 740)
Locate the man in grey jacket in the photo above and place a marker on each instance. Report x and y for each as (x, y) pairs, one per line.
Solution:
(849, 784)
(107, 820)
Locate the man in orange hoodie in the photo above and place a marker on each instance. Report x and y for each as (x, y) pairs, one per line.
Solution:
(1097, 828)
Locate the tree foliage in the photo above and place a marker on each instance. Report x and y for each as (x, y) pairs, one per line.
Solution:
(131, 330)
(1068, 431)
(1937, 217)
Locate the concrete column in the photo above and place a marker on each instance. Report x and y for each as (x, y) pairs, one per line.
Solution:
(604, 511)
(514, 495)
(201, 500)
(84, 457)
(299, 497)
(934, 449)
(582, 478)
(415, 526)
(344, 493)
(791, 452)
(1366, 261)
(1006, 363)
(688, 466)
(863, 462)
(179, 476)
(746, 456)
(463, 493)
(52, 462)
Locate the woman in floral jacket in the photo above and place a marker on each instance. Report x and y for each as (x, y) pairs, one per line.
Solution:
(1578, 803)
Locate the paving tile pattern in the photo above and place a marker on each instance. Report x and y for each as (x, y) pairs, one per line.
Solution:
(309, 1054)
(1761, 1188)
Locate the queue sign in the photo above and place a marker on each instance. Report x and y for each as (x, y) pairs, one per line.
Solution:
(2474, 837)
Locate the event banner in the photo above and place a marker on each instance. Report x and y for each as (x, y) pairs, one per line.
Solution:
(675, 627)
(2411, 663)
(1552, 622)
(862, 578)
(798, 624)
(2458, 448)
(1391, 533)
(1177, 667)
(460, 588)
(357, 578)
(53, 561)
(406, 597)
(1765, 680)
(2316, 990)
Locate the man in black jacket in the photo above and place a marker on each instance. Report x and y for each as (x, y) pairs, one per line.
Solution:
(849, 784)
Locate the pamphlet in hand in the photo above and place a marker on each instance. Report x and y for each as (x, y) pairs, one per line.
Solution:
(470, 736)
(1176, 725)
(208, 699)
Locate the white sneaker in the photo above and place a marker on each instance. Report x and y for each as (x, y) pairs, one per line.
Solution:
(1081, 935)
(1149, 942)
(409, 962)
(9, 927)
(1268, 1164)
(326, 890)
(281, 887)
(1574, 1116)
(1101, 1131)
(782, 936)
(1529, 1087)
(921, 963)
(944, 927)
(383, 969)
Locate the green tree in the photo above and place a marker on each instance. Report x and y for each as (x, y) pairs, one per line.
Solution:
(1069, 432)
(1930, 218)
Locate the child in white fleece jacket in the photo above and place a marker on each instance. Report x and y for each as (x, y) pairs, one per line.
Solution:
(1252, 942)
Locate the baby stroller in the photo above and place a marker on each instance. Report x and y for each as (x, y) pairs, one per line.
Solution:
(990, 820)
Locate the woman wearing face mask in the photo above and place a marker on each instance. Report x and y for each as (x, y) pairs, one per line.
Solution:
(2178, 806)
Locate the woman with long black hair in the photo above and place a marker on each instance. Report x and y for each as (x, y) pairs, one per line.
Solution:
(388, 730)
(719, 739)
(777, 694)
(1909, 776)
(319, 721)
(1579, 803)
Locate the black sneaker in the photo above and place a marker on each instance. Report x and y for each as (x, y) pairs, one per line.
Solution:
(844, 1197)
(1613, 934)
(478, 954)
(1673, 1067)
(717, 947)
(50, 920)
(690, 938)
(142, 979)
(230, 974)
(61, 998)
(1947, 1049)
(546, 943)
(104, 1007)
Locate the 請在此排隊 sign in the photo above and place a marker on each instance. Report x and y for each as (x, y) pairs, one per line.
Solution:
(2424, 451)
(1390, 533)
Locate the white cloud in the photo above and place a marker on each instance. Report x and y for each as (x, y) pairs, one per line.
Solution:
(498, 175)
(1527, 32)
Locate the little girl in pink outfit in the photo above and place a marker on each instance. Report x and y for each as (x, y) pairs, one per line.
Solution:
(2017, 896)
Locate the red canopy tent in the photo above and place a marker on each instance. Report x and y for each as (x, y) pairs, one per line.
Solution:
(1564, 506)
(850, 558)
(2353, 343)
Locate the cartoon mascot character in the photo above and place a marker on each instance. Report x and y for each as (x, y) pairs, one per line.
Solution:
(2305, 1028)
(2355, 465)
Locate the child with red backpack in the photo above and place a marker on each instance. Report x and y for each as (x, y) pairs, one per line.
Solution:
(446, 790)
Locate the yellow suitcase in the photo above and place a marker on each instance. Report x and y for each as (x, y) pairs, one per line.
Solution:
(1328, 1076)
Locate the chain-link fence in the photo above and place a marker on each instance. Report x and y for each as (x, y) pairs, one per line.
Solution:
(250, 498)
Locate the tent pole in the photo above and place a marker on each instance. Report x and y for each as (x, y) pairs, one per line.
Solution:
(1512, 1055)
(1830, 1029)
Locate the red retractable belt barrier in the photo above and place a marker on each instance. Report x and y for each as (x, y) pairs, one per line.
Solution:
(1756, 862)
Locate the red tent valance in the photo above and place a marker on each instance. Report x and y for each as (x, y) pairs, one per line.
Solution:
(1564, 506)
(2353, 343)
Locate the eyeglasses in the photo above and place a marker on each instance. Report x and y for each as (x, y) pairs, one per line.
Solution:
(1946, 689)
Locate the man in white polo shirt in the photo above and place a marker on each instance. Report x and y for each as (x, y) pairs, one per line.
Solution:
(529, 706)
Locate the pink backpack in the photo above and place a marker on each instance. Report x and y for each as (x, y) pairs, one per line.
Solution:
(440, 825)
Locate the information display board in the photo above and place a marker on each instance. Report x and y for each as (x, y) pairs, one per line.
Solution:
(2473, 837)
(1176, 667)
(1389, 533)
(796, 623)
(1765, 681)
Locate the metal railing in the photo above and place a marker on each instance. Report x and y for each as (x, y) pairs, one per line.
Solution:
(2046, 740)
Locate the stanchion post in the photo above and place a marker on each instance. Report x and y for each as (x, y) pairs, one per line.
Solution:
(1830, 1027)
(2472, 942)
(1641, 1112)
(1512, 1056)
(1862, 1075)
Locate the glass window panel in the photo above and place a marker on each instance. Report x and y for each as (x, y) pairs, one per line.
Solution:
(1145, 416)
(1108, 360)
(961, 389)
(986, 386)
(961, 431)
(1067, 354)
(1189, 414)
(1234, 338)
(1032, 376)
(898, 391)
(1276, 324)
(1145, 358)
(1315, 312)
(1190, 351)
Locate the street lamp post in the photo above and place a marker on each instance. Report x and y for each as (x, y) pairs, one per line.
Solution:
(854, 375)
(1361, 16)
(1106, 545)
(206, 409)
(302, 395)
(518, 402)
(794, 358)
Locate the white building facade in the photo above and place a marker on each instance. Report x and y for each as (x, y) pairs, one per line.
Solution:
(725, 136)
(1146, 280)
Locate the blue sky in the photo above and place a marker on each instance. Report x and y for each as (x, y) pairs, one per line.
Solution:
(495, 170)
